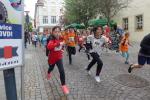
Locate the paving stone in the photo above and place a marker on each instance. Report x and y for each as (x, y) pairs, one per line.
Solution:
(116, 83)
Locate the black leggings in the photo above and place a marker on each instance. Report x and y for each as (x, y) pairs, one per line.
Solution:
(88, 56)
(71, 51)
(88, 47)
(61, 70)
(87, 53)
(96, 59)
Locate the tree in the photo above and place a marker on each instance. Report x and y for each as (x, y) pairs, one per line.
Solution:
(109, 8)
(72, 11)
(80, 11)
(28, 27)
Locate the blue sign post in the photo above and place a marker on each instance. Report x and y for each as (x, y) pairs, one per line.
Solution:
(10, 84)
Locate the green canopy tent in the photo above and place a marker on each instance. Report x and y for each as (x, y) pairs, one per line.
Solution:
(112, 23)
(68, 26)
(102, 22)
(96, 22)
(75, 25)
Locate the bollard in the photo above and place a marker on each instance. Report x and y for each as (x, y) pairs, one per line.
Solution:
(10, 84)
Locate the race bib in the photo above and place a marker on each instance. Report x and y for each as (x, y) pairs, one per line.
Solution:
(58, 48)
(71, 39)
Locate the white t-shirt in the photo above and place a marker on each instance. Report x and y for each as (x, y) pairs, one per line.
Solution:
(89, 39)
(34, 37)
(97, 44)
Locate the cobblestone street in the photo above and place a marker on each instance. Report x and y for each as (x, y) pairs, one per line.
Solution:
(116, 83)
(74, 50)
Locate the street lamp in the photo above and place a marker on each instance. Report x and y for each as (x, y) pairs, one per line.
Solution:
(27, 20)
(26, 12)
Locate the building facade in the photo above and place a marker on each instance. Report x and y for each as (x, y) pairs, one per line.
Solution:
(135, 19)
(48, 13)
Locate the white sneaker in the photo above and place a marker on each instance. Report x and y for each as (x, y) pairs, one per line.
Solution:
(89, 72)
(89, 61)
(97, 78)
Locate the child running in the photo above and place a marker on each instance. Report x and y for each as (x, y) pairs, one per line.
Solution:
(71, 41)
(81, 40)
(65, 34)
(97, 41)
(108, 37)
(144, 54)
(124, 47)
(55, 56)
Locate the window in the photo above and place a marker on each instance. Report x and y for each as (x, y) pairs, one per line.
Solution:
(45, 19)
(125, 23)
(53, 19)
(139, 22)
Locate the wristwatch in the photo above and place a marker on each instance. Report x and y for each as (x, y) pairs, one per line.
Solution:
(3, 13)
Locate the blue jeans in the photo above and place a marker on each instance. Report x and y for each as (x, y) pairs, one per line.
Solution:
(35, 42)
(125, 55)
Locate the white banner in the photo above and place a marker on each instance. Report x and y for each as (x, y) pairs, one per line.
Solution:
(11, 33)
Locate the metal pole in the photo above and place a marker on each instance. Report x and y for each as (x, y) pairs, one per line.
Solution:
(22, 83)
(10, 84)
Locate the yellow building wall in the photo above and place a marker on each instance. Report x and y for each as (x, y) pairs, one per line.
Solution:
(136, 7)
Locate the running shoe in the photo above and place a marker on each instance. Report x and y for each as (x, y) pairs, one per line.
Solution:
(48, 76)
(65, 89)
(130, 68)
(126, 62)
(89, 60)
(97, 78)
(88, 71)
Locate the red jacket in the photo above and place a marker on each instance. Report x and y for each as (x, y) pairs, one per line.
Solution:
(56, 52)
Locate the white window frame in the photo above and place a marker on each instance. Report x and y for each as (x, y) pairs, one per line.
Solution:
(139, 22)
(45, 19)
(53, 19)
(126, 23)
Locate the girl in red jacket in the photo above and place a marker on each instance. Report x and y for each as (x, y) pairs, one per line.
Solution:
(55, 56)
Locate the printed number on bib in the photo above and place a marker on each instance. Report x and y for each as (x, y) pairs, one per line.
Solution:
(58, 48)
(71, 39)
